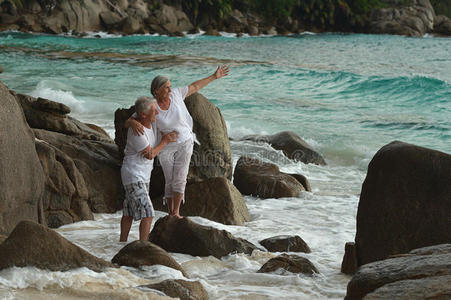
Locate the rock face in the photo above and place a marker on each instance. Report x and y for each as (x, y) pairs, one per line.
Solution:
(349, 263)
(253, 177)
(185, 290)
(21, 177)
(31, 244)
(442, 25)
(285, 243)
(144, 253)
(169, 19)
(185, 236)
(293, 146)
(412, 276)
(290, 263)
(216, 199)
(416, 19)
(405, 202)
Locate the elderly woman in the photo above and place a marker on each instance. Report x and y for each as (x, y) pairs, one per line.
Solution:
(173, 116)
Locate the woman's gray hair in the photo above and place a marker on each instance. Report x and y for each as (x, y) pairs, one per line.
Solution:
(157, 82)
(143, 104)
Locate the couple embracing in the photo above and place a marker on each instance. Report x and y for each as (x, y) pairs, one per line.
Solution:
(160, 126)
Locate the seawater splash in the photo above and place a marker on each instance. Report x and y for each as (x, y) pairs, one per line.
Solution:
(60, 93)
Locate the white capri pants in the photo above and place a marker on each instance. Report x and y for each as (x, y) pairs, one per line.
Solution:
(175, 161)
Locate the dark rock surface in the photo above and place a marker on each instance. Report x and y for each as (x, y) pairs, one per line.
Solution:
(144, 253)
(405, 202)
(290, 263)
(182, 289)
(254, 177)
(32, 244)
(292, 145)
(185, 236)
(22, 180)
(349, 263)
(442, 25)
(285, 243)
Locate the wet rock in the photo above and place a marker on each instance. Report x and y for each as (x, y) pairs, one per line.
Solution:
(349, 263)
(406, 185)
(442, 25)
(182, 289)
(253, 177)
(285, 243)
(293, 146)
(290, 263)
(22, 179)
(212, 32)
(421, 268)
(185, 236)
(216, 199)
(144, 253)
(31, 244)
(302, 180)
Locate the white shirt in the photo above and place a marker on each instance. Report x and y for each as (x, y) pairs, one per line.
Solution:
(136, 167)
(176, 117)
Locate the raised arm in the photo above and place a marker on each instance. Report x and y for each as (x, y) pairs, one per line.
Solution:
(150, 153)
(194, 87)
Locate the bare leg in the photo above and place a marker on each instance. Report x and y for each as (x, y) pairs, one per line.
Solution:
(170, 203)
(144, 228)
(177, 198)
(126, 224)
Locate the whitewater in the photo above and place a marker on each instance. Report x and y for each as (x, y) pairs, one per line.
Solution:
(347, 95)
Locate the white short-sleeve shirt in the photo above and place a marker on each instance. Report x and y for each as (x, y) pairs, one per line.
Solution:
(136, 167)
(176, 117)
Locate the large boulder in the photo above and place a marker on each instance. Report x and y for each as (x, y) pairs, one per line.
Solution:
(414, 19)
(349, 263)
(169, 19)
(285, 243)
(185, 236)
(290, 263)
(182, 289)
(414, 276)
(22, 179)
(31, 244)
(442, 25)
(144, 253)
(292, 145)
(254, 177)
(216, 199)
(405, 202)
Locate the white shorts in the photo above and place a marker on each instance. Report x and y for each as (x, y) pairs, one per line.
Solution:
(175, 161)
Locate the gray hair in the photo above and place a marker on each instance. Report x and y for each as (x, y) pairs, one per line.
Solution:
(157, 82)
(143, 104)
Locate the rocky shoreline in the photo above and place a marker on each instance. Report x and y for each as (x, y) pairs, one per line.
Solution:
(410, 18)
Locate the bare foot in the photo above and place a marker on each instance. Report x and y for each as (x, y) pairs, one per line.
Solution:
(178, 216)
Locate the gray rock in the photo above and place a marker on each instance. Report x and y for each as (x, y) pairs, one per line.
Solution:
(293, 146)
(253, 177)
(290, 263)
(442, 25)
(144, 253)
(185, 236)
(22, 179)
(405, 186)
(285, 243)
(31, 244)
(110, 20)
(182, 289)
(436, 249)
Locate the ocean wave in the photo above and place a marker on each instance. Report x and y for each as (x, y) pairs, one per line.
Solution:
(56, 91)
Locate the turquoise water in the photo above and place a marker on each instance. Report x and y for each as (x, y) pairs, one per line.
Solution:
(346, 95)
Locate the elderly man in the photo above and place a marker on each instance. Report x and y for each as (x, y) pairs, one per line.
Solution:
(137, 167)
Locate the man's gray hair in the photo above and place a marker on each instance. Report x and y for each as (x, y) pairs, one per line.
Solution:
(143, 104)
(157, 82)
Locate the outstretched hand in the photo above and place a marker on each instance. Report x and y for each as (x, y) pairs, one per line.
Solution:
(222, 71)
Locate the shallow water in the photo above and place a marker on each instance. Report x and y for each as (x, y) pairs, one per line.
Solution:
(346, 95)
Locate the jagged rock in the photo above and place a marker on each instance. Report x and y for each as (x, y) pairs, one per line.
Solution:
(349, 263)
(442, 25)
(98, 129)
(97, 162)
(406, 185)
(285, 243)
(182, 289)
(421, 268)
(185, 236)
(293, 146)
(253, 177)
(22, 179)
(216, 199)
(290, 263)
(31, 244)
(144, 253)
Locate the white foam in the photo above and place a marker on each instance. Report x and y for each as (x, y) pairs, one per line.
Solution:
(47, 89)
